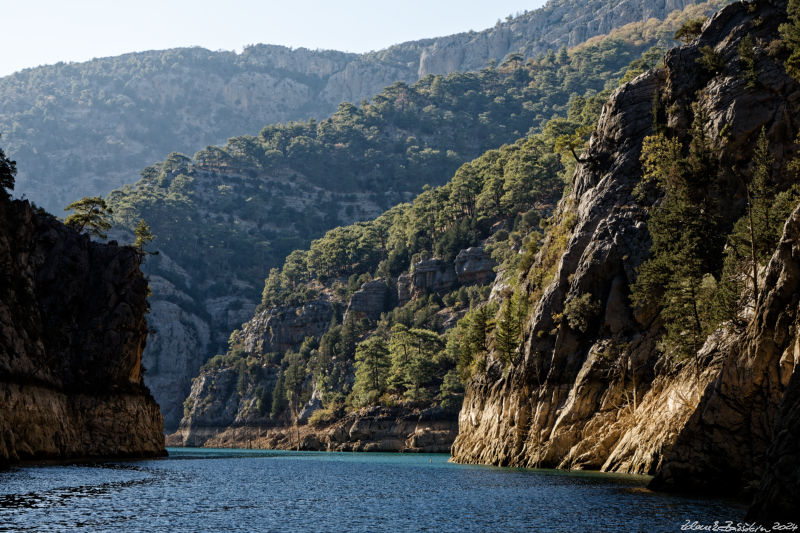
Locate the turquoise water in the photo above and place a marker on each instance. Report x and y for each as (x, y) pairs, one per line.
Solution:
(250, 490)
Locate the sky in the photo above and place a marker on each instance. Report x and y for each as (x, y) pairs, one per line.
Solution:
(43, 32)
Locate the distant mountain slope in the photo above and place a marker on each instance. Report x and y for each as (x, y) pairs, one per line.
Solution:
(86, 128)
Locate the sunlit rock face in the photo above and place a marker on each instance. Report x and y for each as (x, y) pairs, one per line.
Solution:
(605, 397)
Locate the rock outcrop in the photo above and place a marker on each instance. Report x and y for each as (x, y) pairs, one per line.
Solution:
(372, 299)
(283, 328)
(776, 498)
(72, 331)
(226, 396)
(404, 285)
(565, 23)
(603, 397)
(432, 276)
(474, 266)
(234, 392)
(724, 445)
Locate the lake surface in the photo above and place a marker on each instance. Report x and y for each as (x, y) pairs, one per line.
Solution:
(251, 490)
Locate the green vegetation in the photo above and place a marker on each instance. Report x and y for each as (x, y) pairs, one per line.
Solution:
(372, 371)
(685, 280)
(580, 311)
(259, 197)
(143, 237)
(423, 352)
(690, 30)
(91, 214)
(502, 184)
(748, 59)
(709, 60)
(405, 358)
(790, 33)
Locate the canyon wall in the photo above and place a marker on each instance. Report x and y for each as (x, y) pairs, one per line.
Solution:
(606, 397)
(72, 332)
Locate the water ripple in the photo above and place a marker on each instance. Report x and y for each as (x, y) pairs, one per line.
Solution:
(244, 490)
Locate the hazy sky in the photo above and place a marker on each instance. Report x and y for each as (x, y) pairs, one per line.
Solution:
(40, 32)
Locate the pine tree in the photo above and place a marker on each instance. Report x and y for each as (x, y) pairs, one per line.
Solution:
(790, 32)
(753, 238)
(91, 214)
(509, 326)
(279, 401)
(372, 370)
(677, 278)
(8, 170)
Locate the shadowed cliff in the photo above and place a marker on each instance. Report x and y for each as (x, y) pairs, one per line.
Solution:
(72, 331)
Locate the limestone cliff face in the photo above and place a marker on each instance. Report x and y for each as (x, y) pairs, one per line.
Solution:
(723, 447)
(565, 23)
(776, 498)
(234, 393)
(228, 396)
(603, 398)
(229, 400)
(283, 328)
(72, 331)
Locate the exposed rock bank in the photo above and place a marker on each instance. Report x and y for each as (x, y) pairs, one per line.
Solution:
(369, 430)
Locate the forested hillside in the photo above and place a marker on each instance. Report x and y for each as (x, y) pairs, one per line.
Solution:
(664, 341)
(86, 128)
(410, 261)
(385, 312)
(257, 198)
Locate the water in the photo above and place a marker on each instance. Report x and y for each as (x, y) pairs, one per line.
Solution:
(244, 490)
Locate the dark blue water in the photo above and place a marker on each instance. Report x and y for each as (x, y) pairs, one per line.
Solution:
(243, 490)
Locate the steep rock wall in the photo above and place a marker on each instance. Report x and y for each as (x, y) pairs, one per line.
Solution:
(723, 447)
(72, 331)
(776, 498)
(604, 398)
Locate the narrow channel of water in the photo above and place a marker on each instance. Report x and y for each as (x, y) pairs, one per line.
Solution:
(252, 490)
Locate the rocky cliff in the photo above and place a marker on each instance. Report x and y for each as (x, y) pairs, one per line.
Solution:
(86, 128)
(603, 395)
(72, 331)
(776, 498)
(559, 23)
(723, 446)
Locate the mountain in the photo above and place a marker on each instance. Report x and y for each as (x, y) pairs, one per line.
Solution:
(72, 330)
(81, 129)
(404, 279)
(661, 338)
(226, 216)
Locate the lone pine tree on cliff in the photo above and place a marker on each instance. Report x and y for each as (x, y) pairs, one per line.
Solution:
(91, 214)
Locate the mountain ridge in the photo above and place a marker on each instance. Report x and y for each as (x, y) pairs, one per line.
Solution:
(85, 129)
